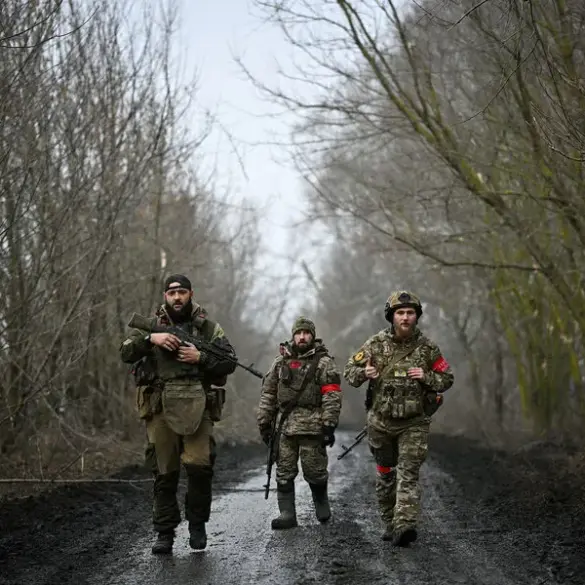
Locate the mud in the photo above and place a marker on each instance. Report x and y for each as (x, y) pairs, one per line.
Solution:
(490, 517)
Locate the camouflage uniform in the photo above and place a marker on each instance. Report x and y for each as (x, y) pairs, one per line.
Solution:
(179, 408)
(399, 414)
(309, 426)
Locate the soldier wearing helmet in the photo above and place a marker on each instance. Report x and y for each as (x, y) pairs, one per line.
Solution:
(302, 389)
(407, 375)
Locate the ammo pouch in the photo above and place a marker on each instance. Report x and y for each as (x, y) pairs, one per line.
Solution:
(215, 399)
(432, 402)
(148, 391)
(144, 372)
(148, 401)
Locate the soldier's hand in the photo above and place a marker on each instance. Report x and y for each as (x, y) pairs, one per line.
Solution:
(371, 372)
(265, 434)
(189, 354)
(328, 435)
(167, 341)
(416, 373)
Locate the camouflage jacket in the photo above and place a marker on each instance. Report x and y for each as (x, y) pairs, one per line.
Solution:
(210, 367)
(320, 402)
(398, 401)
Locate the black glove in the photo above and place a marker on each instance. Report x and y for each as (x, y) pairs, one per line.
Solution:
(328, 435)
(266, 434)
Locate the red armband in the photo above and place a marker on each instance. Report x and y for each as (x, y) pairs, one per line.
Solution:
(440, 365)
(330, 388)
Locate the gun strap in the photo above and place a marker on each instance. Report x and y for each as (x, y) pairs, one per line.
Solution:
(292, 403)
(400, 356)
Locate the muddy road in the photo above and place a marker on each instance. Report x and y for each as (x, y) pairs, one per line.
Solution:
(481, 524)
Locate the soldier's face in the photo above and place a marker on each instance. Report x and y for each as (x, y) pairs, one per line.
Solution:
(404, 321)
(177, 298)
(302, 338)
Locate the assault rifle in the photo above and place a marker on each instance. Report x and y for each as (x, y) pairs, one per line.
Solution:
(272, 454)
(145, 324)
(358, 439)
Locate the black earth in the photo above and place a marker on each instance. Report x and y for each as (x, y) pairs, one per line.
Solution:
(490, 517)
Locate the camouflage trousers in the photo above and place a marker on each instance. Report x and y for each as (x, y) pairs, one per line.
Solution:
(399, 457)
(313, 456)
(165, 453)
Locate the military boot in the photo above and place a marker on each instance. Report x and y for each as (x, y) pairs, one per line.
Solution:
(164, 543)
(388, 533)
(404, 536)
(286, 504)
(197, 536)
(321, 501)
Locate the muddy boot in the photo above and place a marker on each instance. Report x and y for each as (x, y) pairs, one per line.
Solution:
(321, 501)
(404, 536)
(388, 533)
(286, 504)
(164, 543)
(197, 536)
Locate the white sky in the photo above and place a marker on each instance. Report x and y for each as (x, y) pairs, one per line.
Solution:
(214, 33)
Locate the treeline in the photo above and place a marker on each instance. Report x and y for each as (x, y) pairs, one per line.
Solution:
(102, 194)
(443, 145)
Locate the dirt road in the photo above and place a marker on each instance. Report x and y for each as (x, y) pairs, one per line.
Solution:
(479, 526)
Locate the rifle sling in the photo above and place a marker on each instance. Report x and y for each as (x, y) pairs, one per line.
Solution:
(399, 356)
(290, 406)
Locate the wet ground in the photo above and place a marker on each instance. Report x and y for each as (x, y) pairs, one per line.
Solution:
(489, 518)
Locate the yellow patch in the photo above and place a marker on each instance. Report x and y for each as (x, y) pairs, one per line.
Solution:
(127, 342)
(359, 356)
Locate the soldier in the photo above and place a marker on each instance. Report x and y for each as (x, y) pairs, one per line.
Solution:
(406, 371)
(303, 386)
(179, 406)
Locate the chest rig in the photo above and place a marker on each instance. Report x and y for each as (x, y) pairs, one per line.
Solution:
(168, 367)
(395, 394)
(291, 374)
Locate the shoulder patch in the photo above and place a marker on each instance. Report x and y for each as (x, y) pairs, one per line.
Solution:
(359, 357)
(127, 341)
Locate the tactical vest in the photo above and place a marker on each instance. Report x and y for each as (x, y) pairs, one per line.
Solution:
(290, 377)
(396, 395)
(168, 368)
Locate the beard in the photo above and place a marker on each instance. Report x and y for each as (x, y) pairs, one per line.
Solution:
(181, 315)
(302, 347)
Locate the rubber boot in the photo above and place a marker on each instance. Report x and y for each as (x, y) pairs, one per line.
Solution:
(197, 536)
(321, 501)
(164, 543)
(286, 504)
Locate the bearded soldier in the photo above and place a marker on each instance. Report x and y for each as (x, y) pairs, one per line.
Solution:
(179, 404)
(303, 388)
(406, 373)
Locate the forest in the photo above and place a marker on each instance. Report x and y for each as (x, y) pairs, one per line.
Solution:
(441, 144)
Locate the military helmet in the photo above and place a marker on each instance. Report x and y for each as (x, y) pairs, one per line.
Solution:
(400, 299)
(303, 324)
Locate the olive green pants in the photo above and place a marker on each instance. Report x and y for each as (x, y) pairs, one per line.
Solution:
(165, 453)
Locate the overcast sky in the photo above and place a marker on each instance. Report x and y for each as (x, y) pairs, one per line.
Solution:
(213, 34)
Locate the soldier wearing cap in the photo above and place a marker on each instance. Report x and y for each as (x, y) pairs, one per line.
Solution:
(303, 385)
(407, 374)
(179, 409)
